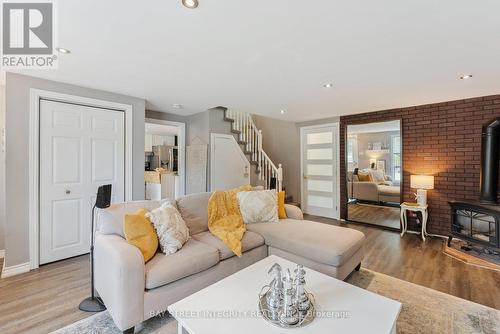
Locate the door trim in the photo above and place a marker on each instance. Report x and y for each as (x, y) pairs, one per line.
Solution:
(182, 151)
(212, 153)
(336, 126)
(34, 156)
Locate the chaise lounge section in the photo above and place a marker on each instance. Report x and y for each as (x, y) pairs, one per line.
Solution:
(134, 292)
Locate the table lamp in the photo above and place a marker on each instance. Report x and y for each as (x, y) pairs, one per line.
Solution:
(422, 183)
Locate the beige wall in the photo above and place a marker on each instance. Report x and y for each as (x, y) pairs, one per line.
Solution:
(280, 140)
(364, 155)
(17, 136)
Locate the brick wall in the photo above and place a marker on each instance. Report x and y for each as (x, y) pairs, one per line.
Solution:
(441, 139)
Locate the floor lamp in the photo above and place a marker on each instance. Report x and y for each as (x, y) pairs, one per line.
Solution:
(103, 201)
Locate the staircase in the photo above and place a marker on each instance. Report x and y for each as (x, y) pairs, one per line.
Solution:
(250, 139)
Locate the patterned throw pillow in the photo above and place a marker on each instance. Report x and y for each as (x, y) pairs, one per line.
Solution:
(258, 206)
(170, 227)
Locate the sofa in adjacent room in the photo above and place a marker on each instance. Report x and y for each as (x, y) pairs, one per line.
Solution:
(372, 186)
(134, 291)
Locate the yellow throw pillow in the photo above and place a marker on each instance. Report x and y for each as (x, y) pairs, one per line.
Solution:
(281, 205)
(140, 232)
(364, 177)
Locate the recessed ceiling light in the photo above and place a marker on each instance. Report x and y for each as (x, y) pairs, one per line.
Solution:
(328, 85)
(63, 50)
(190, 3)
(282, 111)
(177, 106)
(467, 76)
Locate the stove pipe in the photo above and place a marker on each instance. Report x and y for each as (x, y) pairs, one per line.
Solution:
(490, 140)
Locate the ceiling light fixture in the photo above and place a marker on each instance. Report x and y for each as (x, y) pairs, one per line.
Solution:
(177, 106)
(467, 76)
(328, 85)
(191, 4)
(282, 111)
(63, 50)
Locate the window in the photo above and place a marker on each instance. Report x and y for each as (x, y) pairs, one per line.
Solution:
(396, 158)
(352, 152)
(349, 151)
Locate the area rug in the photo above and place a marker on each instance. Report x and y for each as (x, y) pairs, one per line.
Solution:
(424, 311)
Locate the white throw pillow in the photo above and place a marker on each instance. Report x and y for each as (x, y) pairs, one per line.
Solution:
(259, 206)
(170, 227)
(377, 176)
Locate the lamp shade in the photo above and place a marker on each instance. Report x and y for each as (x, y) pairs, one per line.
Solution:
(422, 181)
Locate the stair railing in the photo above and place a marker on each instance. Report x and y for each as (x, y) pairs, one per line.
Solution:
(251, 138)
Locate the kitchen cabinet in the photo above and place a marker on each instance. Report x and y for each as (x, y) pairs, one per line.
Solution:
(157, 140)
(161, 185)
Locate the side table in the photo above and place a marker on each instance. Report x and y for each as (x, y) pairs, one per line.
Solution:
(406, 206)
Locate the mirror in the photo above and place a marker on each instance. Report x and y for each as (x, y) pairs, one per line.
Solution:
(374, 173)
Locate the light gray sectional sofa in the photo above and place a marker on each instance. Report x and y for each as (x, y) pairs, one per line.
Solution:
(133, 291)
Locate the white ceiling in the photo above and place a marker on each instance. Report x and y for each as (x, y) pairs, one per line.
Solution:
(261, 56)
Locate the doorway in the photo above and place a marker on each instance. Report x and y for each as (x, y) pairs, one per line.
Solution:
(164, 159)
(319, 169)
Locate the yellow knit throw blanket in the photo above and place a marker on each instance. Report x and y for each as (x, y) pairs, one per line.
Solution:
(224, 217)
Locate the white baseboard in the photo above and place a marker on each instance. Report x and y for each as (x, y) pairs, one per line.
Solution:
(2, 253)
(15, 270)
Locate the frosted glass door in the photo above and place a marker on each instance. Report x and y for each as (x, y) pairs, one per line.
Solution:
(319, 168)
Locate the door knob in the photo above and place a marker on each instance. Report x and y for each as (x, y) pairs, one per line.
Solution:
(68, 191)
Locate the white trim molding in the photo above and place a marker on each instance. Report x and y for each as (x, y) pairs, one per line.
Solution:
(33, 162)
(182, 151)
(2, 253)
(15, 270)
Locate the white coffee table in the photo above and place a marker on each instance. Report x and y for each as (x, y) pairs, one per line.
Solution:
(231, 305)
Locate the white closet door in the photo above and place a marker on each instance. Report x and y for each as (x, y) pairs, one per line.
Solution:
(319, 164)
(81, 148)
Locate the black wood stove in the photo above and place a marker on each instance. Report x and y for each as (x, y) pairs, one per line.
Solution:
(478, 222)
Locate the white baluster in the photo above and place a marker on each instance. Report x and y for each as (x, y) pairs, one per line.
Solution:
(248, 132)
(236, 121)
(238, 117)
(279, 181)
(259, 149)
(251, 144)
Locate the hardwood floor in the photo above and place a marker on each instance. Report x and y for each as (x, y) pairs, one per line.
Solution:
(386, 216)
(424, 263)
(47, 299)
